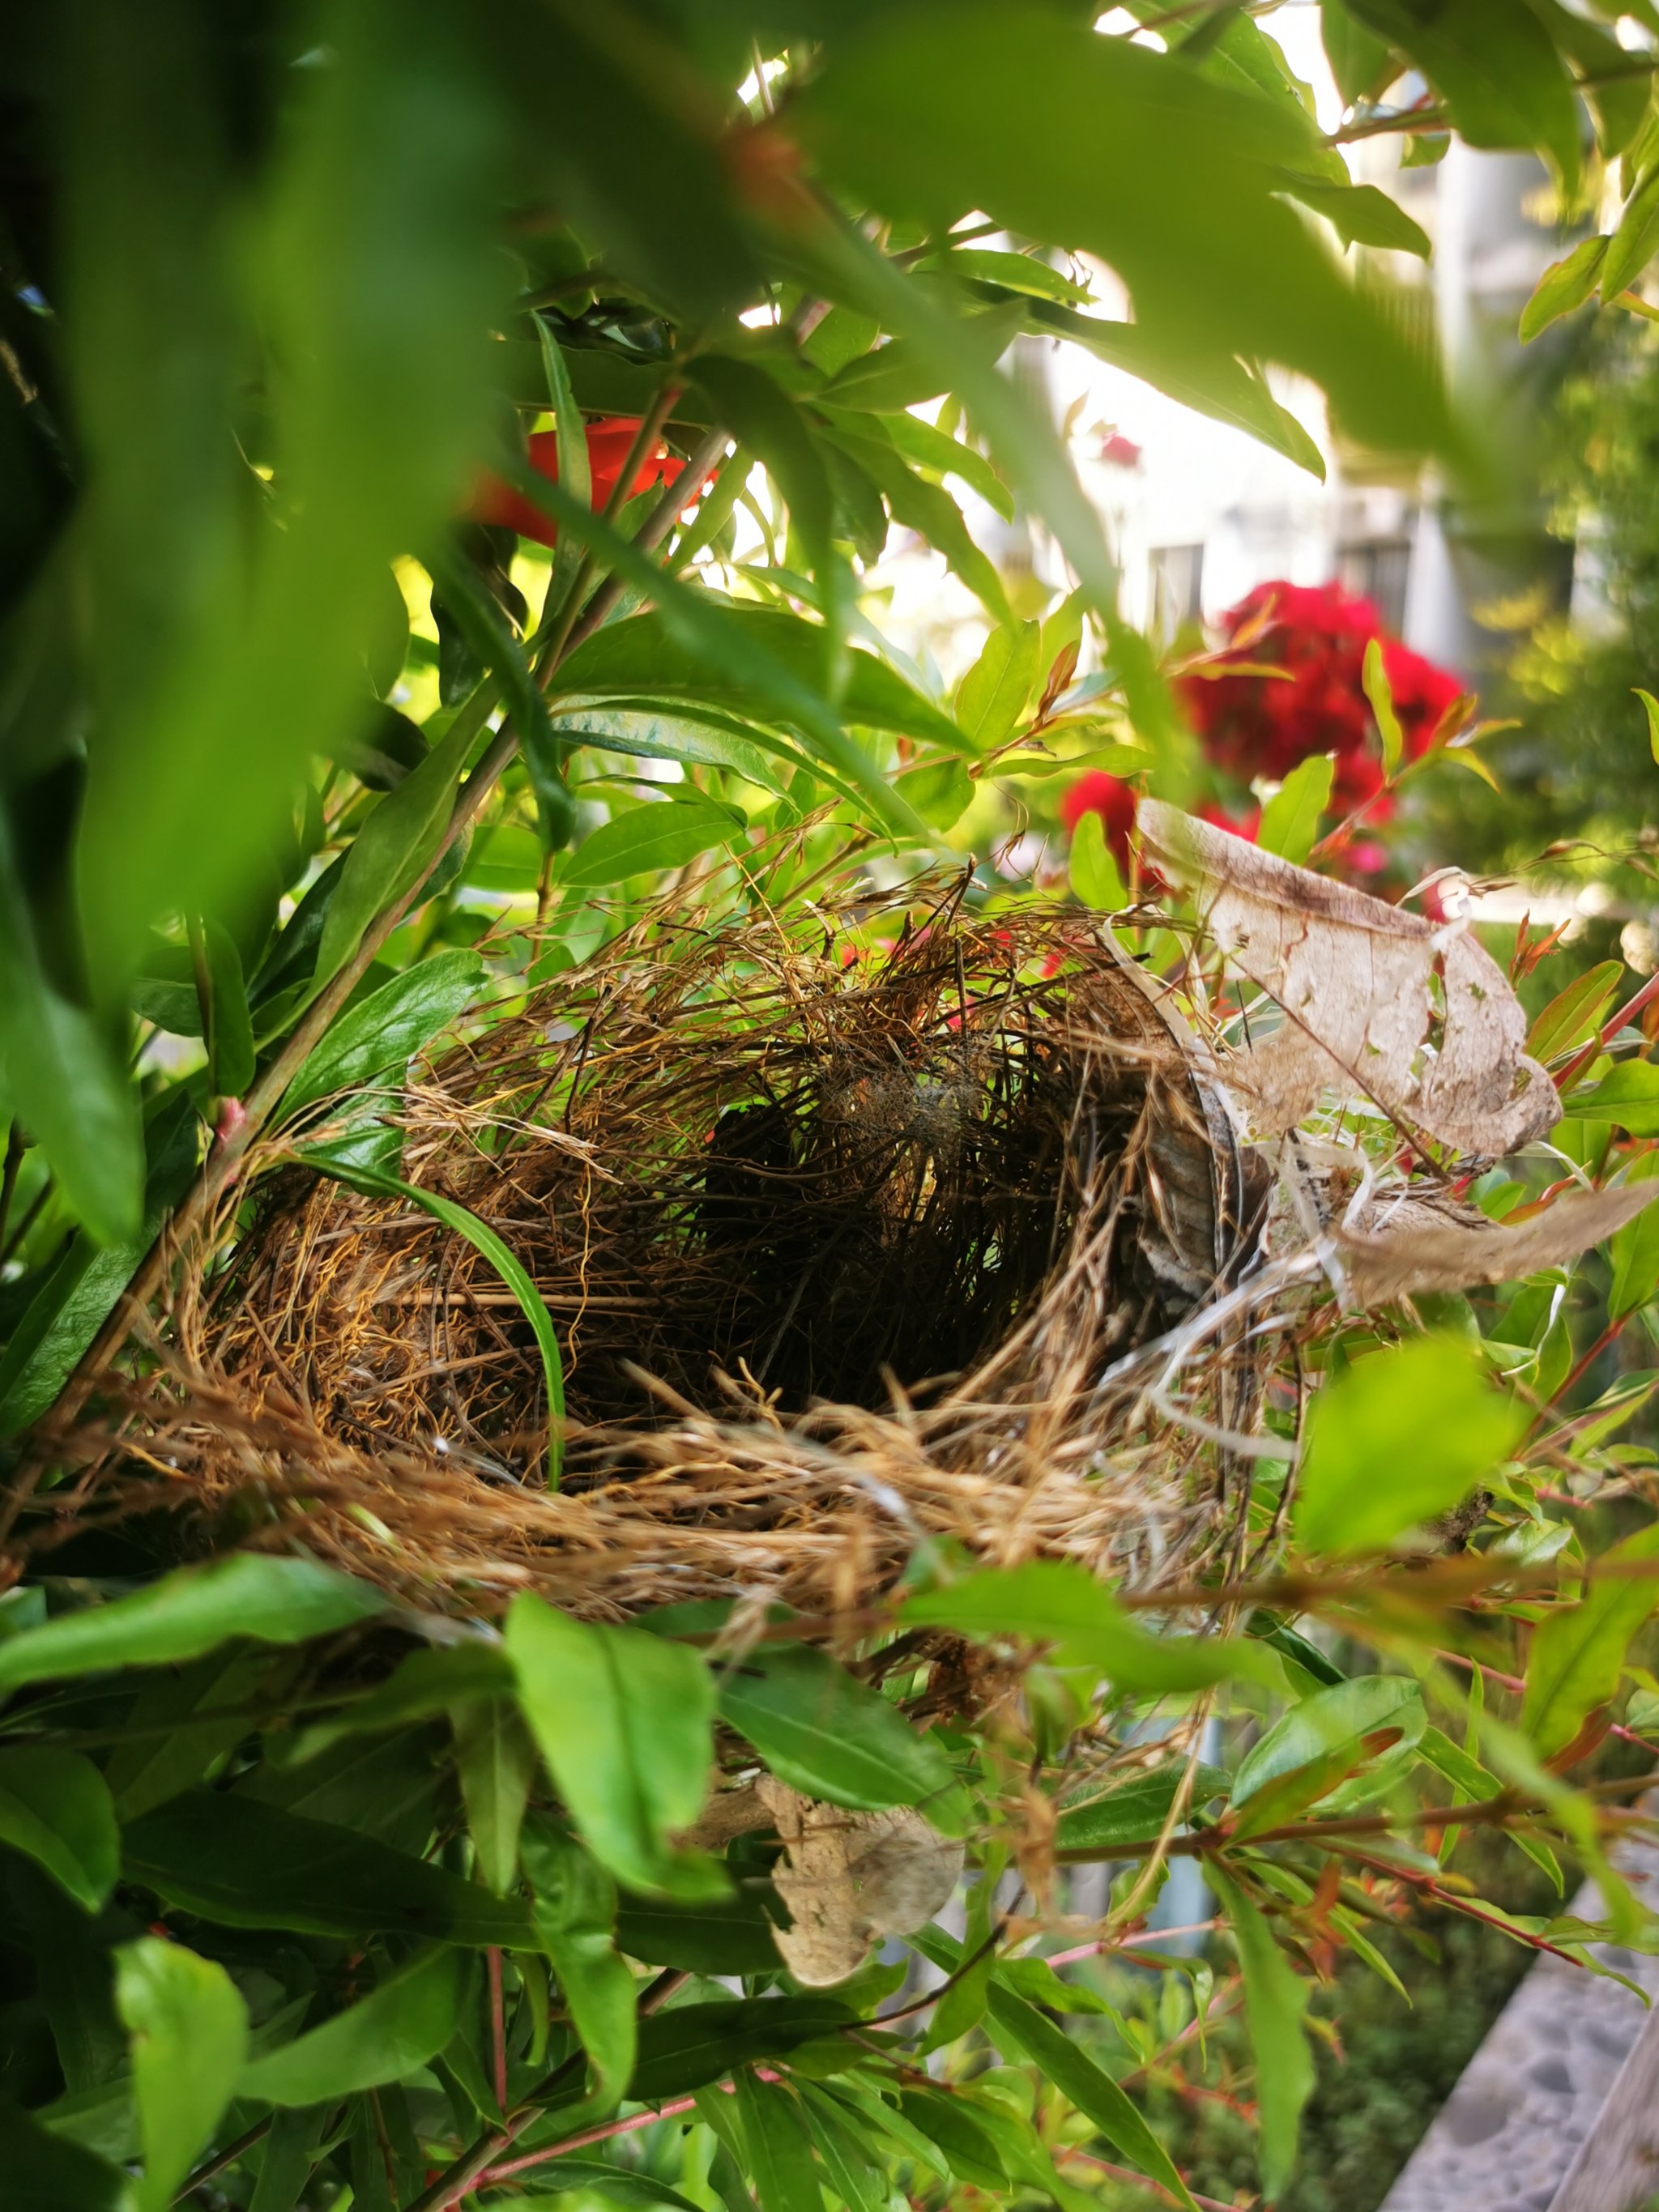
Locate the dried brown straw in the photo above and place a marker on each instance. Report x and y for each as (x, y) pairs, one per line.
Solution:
(840, 1224)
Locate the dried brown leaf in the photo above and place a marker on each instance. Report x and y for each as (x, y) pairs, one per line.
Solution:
(850, 1878)
(1409, 1245)
(1356, 981)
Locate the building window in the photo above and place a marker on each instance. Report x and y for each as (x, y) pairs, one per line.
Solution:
(1177, 577)
(1375, 568)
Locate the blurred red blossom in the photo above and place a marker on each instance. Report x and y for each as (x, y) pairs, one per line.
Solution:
(1253, 726)
(1111, 798)
(1252, 723)
(609, 439)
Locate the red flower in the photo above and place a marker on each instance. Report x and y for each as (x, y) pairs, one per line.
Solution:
(1120, 451)
(1114, 800)
(609, 439)
(1263, 726)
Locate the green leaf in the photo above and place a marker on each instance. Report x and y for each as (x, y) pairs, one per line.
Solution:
(1497, 70)
(241, 1864)
(1221, 386)
(490, 638)
(1360, 214)
(930, 448)
(177, 1728)
(1315, 1745)
(1403, 1435)
(779, 2145)
(1572, 1013)
(1578, 1651)
(1651, 707)
(828, 1735)
(1275, 2001)
(575, 472)
(940, 791)
(701, 737)
(395, 843)
(1634, 241)
(763, 417)
(690, 2045)
(402, 2022)
(639, 2191)
(575, 1917)
(930, 511)
(1056, 132)
(362, 1176)
(230, 1026)
(991, 697)
(727, 1935)
(850, 2157)
(1374, 676)
(1291, 819)
(1019, 272)
(970, 2147)
(624, 1720)
(1565, 285)
(649, 839)
(755, 661)
(1056, 1602)
(1628, 1095)
(495, 1764)
(189, 2029)
(184, 1613)
(1634, 1251)
(1136, 1812)
(962, 2004)
(371, 1045)
(694, 637)
(290, 2152)
(1069, 2069)
(55, 1806)
(230, 648)
(80, 1293)
(1092, 870)
(427, 1682)
(45, 2173)
(60, 1077)
(904, 371)
(1357, 57)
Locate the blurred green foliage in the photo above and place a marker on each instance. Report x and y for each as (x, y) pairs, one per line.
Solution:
(444, 451)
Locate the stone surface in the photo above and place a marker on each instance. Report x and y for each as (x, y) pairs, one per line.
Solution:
(1531, 2097)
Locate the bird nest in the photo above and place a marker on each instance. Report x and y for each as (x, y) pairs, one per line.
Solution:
(844, 1227)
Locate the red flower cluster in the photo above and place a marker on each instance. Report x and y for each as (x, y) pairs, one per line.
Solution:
(1115, 802)
(1264, 725)
(610, 438)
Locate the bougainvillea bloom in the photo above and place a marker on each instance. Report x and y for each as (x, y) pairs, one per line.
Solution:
(1264, 725)
(609, 439)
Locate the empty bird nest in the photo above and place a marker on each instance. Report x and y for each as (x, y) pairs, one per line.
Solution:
(885, 1226)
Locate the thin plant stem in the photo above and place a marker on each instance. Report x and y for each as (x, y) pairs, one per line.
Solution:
(497, 2022)
(469, 2169)
(1127, 2174)
(15, 1149)
(605, 2132)
(30, 1214)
